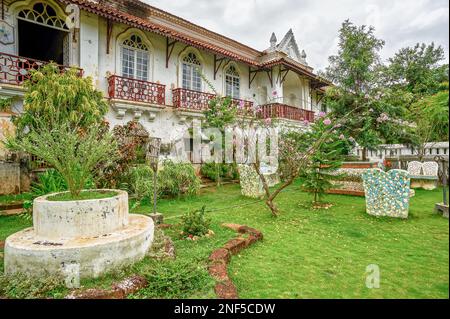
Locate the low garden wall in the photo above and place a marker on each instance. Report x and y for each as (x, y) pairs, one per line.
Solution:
(9, 178)
(15, 178)
(350, 180)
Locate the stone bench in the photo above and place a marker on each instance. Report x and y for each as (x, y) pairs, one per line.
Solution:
(387, 193)
(251, 184)
(423, 175)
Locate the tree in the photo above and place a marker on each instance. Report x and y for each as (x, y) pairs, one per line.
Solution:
(220, 113)
(73, 153)
(62, 124)
(355, 71)
(326, 159)
(430, 115)
(353, 68)
(55, 97)
(416, 70)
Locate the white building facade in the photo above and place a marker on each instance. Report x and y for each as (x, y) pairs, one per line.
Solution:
(148, 63)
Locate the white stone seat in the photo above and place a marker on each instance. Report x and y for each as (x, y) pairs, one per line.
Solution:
(423, 175)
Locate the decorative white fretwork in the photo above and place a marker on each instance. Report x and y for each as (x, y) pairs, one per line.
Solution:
(135, 42)
(191, 58)
(43, 14)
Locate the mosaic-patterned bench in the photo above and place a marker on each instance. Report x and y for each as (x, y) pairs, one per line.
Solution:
(423, 175)
(387, 193)
(251, 184)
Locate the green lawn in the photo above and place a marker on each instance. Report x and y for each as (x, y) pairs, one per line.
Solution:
(305, 253)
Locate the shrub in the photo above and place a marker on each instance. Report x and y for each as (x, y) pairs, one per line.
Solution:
(174, 279)
(195, 223)
(176, 179)
(130, 151)
(5, 104)
(209, 170)
(21, 286)
(139, 182)
(50, 181)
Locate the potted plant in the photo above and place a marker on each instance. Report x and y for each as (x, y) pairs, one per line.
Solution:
(78, 233)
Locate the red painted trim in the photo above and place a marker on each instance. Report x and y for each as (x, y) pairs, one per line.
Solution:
(124, 88)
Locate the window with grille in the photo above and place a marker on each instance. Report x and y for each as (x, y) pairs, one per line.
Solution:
(232, 83)
(135, 58)
(43, 14)
(191, 73)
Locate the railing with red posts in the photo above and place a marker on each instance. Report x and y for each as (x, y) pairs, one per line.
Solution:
(191, 100)
(199, 101)
(124, 88)
(15, 69)
(278, 110)
(245, 105)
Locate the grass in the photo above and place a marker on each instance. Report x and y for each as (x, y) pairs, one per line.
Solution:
(305, 253)
(8, 199)
(84, 195)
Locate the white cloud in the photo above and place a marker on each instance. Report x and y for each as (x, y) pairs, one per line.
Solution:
(316, 22)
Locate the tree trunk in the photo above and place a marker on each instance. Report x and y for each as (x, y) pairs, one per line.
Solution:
(218, 182)
(364, 154)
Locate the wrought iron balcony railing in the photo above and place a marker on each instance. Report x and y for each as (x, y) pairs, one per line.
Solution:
(15, 69)
(199, 101)
(124, 88)
(284, 111)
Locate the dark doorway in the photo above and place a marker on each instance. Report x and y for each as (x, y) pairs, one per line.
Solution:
(41, 42)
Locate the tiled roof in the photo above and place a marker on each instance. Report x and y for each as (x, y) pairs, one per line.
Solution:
(140, 15)
(119, 11)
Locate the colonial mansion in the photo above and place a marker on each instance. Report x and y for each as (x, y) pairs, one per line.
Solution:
(149, 63)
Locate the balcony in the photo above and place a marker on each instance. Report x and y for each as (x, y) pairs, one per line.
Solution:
(15, 69)
(199, 101)
(284, 111)
(129, 89)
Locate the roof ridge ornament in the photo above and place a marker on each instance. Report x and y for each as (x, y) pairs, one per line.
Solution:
(273, 41)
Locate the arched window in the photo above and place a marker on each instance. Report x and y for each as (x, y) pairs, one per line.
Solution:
(232, 82)
(191, 72)
(135, 58)
(43, 33)
(44, 14)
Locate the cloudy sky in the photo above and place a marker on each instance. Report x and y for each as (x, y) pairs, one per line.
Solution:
(316, 22)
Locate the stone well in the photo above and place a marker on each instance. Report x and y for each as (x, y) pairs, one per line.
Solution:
(79, 239)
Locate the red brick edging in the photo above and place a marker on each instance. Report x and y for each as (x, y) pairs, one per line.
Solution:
(219, 259)
(346, 192)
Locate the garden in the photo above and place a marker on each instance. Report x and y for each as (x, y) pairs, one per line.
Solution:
(109, 218)
(304, 254)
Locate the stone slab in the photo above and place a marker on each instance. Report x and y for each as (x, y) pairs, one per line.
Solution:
(87, 257)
